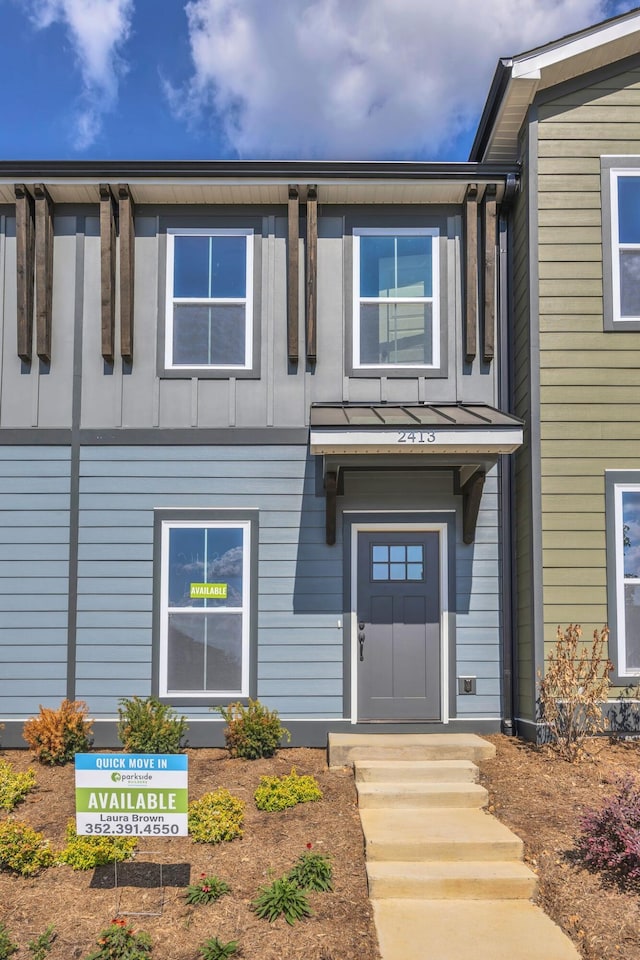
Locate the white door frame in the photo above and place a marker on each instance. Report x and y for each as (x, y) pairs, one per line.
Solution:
(441, 529)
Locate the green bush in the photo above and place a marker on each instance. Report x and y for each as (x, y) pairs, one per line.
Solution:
(282, 897)
(7, 946)
(214, 949)
(148, 726)
(252, 731)
(85, 853)
(55, 736)
(216, 817)
(14, 786)
(312, 871)
(40, 946)
(119, 942)
(206, 890)
(278, 793)
(22, 849)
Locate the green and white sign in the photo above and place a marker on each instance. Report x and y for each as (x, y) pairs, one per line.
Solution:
(129, 794)
(208, 591)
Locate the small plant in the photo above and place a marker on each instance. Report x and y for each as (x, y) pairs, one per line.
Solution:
(214, 949)
(206, 890)
(148, 726)
(55, 736)
(610, 837)
(85, 853)
(14, 786)
(40, 946)
(120, 942)
(252, 731)
(215, 817)
(282, 897)
(278, 793)
(22, 849)
(575, 684)
(312, 871)
(7, 946)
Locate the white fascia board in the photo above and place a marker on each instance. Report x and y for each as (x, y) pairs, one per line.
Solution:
(326, 440)
(525, 65)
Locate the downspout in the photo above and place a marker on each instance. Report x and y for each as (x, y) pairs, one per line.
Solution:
(507, 471)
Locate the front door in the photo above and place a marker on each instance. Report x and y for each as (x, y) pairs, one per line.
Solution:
(398, 625)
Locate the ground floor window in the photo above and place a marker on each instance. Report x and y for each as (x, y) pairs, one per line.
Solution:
(623, 531)
(204, 609)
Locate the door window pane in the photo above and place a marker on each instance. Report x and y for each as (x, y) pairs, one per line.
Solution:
(397, 562)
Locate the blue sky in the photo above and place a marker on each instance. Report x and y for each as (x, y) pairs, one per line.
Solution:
(261, 79)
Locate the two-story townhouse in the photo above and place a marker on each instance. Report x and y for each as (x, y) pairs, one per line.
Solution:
(255, 441)
(569, 112)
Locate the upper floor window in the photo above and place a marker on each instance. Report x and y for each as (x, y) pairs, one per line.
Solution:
(625, 222)
(209, 299)
(396, 298)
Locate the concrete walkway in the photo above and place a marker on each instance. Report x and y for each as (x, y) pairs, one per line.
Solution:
(446, 879)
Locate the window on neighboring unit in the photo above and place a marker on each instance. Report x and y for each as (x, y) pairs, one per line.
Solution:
(623, 528)
(625, 246)
(396, 302)
(205, 607)
(209, 299)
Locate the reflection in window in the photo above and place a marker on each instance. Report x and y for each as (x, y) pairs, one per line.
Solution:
(630, 504)
(397, 562)
(626, 245)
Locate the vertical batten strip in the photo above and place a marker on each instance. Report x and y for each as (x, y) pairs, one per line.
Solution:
(489, 210)
(127, 269)
(25, 259)
(312, 272)
(471, 272)
(44, 271)
(293, 275)
(107, 271)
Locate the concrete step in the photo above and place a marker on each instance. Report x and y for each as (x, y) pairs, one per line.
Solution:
(345, 748)
(437, 834)
(403, 771)
(457, 929)
(443, 879)
(402, 796)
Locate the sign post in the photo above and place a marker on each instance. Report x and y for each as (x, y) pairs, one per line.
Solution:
(134, 795)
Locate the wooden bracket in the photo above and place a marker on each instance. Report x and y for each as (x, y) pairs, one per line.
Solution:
(107, 270)
(471, 490)
(489, 216)
(25, 259)
(293, 275)
(127, 269)
(312, 272)
(331, 493)
(471, 271)
(44, 270)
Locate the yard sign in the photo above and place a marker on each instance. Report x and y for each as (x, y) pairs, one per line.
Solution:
(128, 794)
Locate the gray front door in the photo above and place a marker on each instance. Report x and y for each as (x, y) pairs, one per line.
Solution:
(398, 625)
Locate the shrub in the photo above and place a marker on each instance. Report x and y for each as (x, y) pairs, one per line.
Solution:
(312, 871)
(610, 837)
(206, 890)
(22, 849)
(282, 897)
(119, 942)
(216, 817)
(55, 736)
(278, 793)
(40, 946)
(14, 786)
(148, 726)
(575, 684)
(214, 949)
(252, 731)
(7, 946)
(85, 853)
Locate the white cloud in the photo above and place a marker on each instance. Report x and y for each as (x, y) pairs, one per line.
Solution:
(356, 79)
(97, 29)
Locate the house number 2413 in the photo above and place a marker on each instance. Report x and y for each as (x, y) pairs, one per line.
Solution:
(416, 436)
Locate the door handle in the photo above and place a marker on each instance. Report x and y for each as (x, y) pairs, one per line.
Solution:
(361, 640)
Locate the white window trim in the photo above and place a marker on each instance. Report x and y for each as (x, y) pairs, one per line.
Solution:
(621, 623)
(434, 299)
(247, 300)
(244, 610)
(615, 174)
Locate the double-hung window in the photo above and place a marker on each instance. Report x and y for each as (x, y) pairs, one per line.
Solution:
(623, 551)
(205, 608)
(396, 298)
(621, 242)
(209, 299)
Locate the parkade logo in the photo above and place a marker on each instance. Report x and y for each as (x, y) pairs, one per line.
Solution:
(132, 778)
